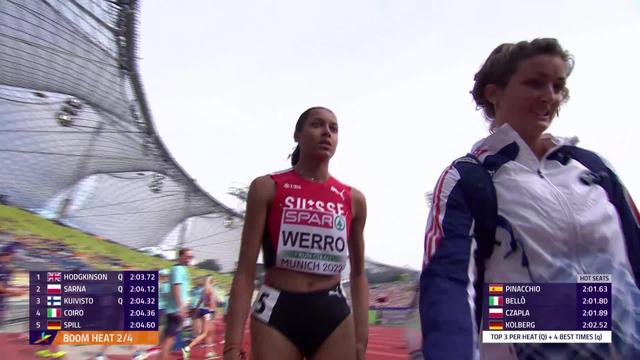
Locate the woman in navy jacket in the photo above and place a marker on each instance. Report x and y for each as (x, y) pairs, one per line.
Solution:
(561, 212)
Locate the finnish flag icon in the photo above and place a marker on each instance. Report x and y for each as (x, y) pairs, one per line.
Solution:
(53, 301)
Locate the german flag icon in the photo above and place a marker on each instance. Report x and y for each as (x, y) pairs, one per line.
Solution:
(54, 325)
(496, 325)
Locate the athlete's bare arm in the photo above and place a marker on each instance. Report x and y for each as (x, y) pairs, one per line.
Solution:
(260, 196)
(359, 284)
(213, 299)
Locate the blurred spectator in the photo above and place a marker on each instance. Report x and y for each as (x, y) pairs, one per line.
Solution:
(397, 294)
(6, 255)
(178, 300)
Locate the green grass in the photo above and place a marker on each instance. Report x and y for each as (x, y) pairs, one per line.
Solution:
(24, 223)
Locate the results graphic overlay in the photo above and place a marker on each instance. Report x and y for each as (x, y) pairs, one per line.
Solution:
(93, 307)
(548, 313)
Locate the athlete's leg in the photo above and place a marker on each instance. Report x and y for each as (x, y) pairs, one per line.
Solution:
(341, 344)
(166, 347)
(210, 352)
(199, 338)
(212, 330)
(197, 325)
(173, 328)
(268, 343)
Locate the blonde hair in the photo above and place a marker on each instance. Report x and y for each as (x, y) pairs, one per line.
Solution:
(209, 281)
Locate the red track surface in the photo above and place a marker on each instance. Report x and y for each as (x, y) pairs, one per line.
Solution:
(384, 343)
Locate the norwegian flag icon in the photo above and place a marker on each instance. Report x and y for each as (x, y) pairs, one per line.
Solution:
(54, 276)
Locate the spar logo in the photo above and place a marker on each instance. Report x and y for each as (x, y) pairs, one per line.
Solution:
(308, 217)
(340, 222)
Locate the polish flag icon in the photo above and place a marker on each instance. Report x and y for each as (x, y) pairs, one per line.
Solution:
(495, 313)
(54, 289)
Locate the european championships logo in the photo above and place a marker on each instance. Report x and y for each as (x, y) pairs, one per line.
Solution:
(340, 223)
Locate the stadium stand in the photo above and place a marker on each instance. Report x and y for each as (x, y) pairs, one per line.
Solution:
(77, 139)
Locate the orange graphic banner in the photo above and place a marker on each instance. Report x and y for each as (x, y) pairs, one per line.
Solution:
(106, 338)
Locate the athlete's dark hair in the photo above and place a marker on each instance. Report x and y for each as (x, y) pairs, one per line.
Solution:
(503, 62)
(182, 251)
(295, 155)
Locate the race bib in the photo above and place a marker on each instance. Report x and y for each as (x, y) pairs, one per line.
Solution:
(265, 302)
(312, 241)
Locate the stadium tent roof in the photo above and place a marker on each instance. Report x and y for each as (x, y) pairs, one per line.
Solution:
(77, 139)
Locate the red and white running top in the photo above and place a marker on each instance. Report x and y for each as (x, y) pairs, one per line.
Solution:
(308, 225)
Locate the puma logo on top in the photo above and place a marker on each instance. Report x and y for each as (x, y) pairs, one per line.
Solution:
(341, 193)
